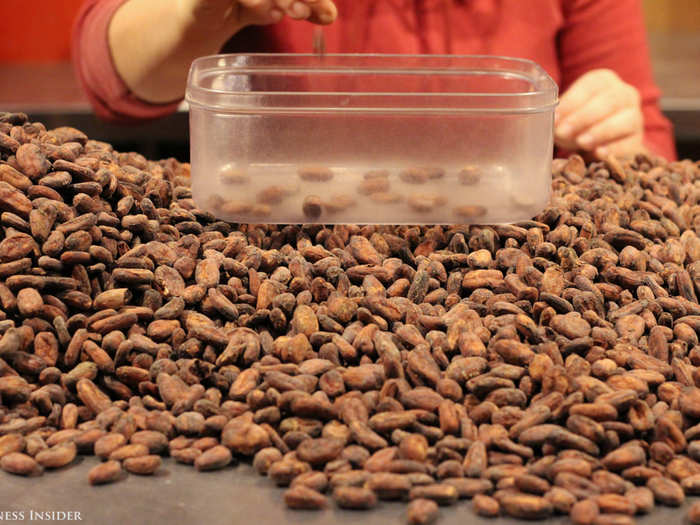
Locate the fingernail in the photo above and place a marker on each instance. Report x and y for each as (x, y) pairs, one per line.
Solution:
(602, 152)
(300, 10)
(565, 130)
(325, 18)
(585, 140)
(276, 14)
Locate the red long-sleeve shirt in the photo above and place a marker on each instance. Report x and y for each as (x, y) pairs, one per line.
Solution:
(566, 37)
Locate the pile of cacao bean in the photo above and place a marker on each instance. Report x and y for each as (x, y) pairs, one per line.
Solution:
(545, 367)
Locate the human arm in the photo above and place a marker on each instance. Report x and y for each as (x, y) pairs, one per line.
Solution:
(157, 52)
(154, 63)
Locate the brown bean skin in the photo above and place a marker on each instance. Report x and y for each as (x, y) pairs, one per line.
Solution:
(301, 497)
(142, 465)
(485, 506)
(104, 473)
(422, 512)
(20, 464)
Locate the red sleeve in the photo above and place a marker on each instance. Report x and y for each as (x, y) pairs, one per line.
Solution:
(611, 34)
(107, 92)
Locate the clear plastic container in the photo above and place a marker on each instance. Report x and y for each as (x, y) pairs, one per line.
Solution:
(384, 139)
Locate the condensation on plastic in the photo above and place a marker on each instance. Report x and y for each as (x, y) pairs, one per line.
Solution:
(291, 138)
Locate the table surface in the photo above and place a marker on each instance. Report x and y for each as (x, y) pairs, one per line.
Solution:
(179, 495)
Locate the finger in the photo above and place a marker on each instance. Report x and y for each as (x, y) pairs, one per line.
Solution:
(252, 4)
(626, 122)
(294, 9)
(595, 110)
(585, 88)
(623, 148)
(578, 94)
(323, 12)
(567, 144)
(260, 12)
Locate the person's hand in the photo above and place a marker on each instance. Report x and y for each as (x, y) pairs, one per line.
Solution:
(153, 42)
(229, 16)
(600, 114)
